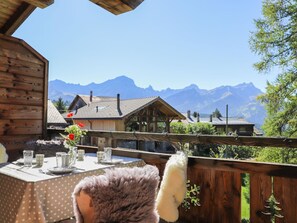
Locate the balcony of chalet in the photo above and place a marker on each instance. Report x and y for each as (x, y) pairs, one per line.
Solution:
(23, 118)
(220, 180)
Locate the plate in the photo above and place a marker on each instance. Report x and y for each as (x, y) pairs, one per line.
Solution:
(113, 161)
(21, 161)
(59, 170)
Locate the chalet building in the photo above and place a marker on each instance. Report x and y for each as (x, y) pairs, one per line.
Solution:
(237, 126)
(150, 114)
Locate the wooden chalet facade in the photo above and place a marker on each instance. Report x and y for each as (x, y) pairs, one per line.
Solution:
(23, 94)
(24, 74)
(113, 114)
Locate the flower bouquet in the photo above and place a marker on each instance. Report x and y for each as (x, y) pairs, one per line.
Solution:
(74, 134)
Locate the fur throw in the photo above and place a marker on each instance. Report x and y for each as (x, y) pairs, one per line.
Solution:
(3, 154)
(121, 195)
(173, 187)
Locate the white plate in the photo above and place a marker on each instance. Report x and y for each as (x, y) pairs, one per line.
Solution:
(59, 170)
(21, 161)
(113, 161)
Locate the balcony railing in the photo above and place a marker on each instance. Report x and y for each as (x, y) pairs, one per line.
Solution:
(220, 180)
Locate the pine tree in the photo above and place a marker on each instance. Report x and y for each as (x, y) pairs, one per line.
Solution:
(60, 105)
(275, 40)
(217, 113)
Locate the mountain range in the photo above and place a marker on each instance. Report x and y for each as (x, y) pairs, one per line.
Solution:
(241, 99)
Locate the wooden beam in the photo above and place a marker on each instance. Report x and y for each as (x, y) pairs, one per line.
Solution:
(17, 18)
(196, 139)
(117, 7)
(40, 3)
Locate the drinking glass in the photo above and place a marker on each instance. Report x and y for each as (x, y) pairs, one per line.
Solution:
(39, 159)
(100, 156)
(107, 154)
(80, 154)
(59, 159)
(28, 157)
(65, 160)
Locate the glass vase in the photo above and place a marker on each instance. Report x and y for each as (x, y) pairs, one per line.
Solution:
(72, 156)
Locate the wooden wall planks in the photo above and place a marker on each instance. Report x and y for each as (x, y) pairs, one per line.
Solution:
(23, 94)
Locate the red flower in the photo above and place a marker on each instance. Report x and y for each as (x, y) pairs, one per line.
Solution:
(80, 124)
(69, 115)
(71, 136)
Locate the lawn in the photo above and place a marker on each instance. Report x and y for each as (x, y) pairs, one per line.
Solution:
(245, 206)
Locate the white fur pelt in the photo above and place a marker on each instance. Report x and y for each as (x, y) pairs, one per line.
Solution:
(173, 187)
(121, 195)
(3, 154)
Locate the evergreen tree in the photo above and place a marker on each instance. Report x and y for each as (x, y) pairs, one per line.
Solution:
(275, 40)
(217, 114)
(60, 105)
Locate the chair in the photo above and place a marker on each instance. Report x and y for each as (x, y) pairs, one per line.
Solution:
(119, 195)
(3, 154)
(173, 187)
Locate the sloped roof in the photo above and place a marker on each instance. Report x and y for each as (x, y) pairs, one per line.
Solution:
(218, 121)
(53, 115)
(117, 7)
(231, 121)
(107, 109)
(86, 99)
(14, 12)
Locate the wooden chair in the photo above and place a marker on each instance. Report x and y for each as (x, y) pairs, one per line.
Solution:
(119, 195)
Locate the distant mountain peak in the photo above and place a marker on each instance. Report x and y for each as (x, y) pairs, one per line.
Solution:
(124, 80)
(150, 87)
(244, 84)
(239, 97)
(192, 86)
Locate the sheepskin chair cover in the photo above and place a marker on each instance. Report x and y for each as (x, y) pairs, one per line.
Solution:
(3, 154)
(173, 187)
(121, 195)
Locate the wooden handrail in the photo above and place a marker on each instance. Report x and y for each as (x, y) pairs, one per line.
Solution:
(194, 138)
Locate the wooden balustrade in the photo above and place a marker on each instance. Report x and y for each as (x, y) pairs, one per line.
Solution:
(220, 179)
(220, 187)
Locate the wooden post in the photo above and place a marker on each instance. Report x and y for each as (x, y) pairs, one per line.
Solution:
(226, 119)
(155, 126)
(167, 125)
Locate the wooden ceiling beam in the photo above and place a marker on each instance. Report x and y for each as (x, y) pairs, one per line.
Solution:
(17, 18)
(40, 3)
(118, 6)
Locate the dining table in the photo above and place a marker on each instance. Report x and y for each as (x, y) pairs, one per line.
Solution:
(43, 194)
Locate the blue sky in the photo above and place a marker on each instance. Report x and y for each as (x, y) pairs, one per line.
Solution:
(163, 43)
